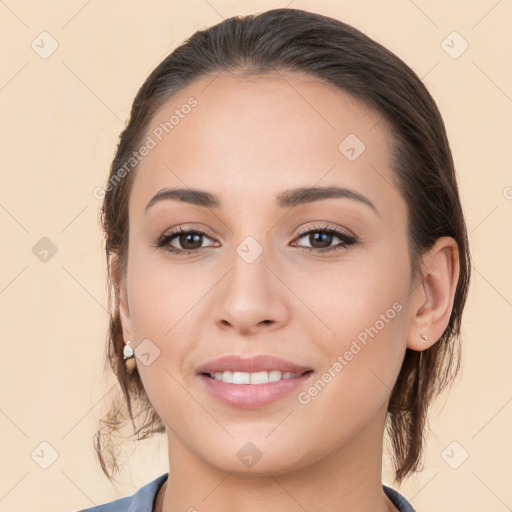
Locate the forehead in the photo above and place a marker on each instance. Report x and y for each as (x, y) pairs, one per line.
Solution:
(254, 136)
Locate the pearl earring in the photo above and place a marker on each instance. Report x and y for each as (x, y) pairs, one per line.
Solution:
(424, 337)
(129, 360)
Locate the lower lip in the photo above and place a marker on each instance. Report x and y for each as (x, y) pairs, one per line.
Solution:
(252, 396)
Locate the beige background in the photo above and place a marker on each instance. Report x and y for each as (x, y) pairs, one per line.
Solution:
(60, 119)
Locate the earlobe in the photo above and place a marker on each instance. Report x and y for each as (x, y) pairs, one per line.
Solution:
(433, 298)
(124, 314)
(122, 299)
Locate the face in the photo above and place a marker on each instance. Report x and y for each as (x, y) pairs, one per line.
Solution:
(321, 282)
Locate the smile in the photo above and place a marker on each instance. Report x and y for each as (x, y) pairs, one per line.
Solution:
(253, 390)
(252, 378)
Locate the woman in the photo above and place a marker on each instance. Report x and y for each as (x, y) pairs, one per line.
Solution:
(290, 264)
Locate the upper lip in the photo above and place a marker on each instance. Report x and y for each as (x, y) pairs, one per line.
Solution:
(260, 363)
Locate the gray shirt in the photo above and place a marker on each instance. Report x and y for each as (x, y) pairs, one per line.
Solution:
(143, 500)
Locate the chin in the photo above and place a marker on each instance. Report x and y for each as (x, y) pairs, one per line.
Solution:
(258, 457)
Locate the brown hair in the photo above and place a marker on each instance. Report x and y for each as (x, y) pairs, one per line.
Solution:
(323, 47)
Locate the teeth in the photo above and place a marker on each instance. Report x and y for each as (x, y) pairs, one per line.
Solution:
(252, 378)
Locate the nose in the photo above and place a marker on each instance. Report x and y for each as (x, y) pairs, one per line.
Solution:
(251, 298)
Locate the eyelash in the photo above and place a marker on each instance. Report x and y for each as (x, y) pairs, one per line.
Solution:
(347, 240)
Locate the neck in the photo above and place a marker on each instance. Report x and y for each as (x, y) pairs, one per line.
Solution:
(349, 478)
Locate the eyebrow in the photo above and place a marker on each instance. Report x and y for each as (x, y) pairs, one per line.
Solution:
(286, 199)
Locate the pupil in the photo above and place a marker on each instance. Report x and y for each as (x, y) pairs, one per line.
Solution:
(319, 237)
(189, 237)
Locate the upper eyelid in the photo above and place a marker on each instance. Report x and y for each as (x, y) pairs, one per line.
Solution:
(301, 231)
(309, 229)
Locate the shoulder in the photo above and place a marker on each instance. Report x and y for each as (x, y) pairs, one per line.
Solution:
(398, 500)
(141, 501)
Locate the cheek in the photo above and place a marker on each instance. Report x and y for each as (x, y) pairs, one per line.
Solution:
(362, 360)
(162, 318)
(362, 290)
(160, 293)
(363, 308)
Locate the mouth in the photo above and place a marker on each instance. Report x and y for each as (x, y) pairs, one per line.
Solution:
(251, 383)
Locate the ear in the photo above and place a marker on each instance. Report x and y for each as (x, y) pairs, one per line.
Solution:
(434, 295)
(120, 287)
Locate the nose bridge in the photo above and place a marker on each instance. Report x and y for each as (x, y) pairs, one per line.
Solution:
(252, 244)
(249, 278)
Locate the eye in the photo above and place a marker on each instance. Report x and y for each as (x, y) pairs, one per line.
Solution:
(189, 239)
(321, 238)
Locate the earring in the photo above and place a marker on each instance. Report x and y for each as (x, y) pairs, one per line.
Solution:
(129, 360)
(424, 337)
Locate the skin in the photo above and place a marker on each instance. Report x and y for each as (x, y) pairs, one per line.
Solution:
(247, 140)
